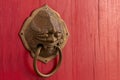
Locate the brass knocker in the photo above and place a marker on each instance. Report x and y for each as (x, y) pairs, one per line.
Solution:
(44, 34)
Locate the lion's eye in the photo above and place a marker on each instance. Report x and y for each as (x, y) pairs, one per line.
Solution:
(43, 35)
(58, 34)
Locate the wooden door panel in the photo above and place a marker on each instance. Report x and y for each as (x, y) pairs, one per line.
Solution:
(108, 56)
(91, 53)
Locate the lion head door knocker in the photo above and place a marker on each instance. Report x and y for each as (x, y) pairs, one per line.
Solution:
(44, 34)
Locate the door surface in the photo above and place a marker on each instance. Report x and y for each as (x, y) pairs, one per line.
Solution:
(91, 53)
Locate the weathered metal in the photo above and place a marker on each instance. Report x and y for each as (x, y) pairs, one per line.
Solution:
(44, 29)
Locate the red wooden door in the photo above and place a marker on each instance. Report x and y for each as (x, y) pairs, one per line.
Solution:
(91, 53)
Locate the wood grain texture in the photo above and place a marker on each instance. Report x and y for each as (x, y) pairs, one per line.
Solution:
(109, 17)
(91, 53)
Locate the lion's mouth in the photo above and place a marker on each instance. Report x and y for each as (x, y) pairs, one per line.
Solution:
(50, 44)
(48, 48)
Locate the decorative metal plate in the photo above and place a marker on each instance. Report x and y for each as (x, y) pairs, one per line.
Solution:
(44, 28)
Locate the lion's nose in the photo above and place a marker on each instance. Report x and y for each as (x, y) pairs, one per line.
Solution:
(51, 38)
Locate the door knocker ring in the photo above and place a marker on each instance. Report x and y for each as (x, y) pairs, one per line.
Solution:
(55, 69)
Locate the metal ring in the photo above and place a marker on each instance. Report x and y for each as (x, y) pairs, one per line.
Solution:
(54, 70)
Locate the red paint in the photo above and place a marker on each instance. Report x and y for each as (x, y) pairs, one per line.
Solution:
(93, 48)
